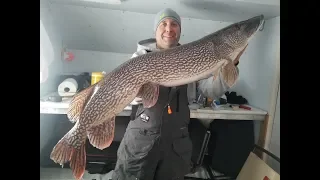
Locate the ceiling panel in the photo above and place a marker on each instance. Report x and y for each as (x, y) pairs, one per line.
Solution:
(85, 26)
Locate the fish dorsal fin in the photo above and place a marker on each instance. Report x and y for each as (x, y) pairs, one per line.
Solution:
(80, 100)
(149, 94)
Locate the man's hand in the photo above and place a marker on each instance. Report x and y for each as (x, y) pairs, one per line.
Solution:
(236, 61)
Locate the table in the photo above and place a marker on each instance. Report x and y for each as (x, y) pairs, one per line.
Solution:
(209, 114)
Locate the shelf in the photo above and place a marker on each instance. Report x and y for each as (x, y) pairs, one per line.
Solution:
(205, 113)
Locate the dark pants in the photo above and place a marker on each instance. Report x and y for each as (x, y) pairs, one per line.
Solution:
(144, 155)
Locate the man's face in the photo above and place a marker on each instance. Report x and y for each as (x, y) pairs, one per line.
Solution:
(168, 34)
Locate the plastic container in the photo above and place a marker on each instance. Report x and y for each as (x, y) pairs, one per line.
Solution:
(96, 77)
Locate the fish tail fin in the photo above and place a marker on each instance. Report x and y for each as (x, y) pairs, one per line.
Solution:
(61, 152)
(64, 152)
(230, 74)
(78, 161)
(101, 136)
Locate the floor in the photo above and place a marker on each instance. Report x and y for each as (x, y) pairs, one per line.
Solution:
(65, 174)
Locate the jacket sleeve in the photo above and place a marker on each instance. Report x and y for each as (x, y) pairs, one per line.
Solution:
(138, 53)
(213, 87)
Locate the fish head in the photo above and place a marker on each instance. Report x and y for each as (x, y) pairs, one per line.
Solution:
(248, 28)
(235, 37)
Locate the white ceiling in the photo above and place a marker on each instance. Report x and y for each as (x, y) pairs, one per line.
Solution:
(117, 28)
(217, 10)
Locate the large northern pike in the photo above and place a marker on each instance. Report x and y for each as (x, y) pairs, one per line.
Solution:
(94, 109)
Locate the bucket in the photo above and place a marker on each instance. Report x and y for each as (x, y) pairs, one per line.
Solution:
(96, 77)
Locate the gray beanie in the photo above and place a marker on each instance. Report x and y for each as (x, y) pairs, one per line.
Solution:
(166, 13)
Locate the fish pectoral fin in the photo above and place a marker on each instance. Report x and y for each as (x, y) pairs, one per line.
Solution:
(101, 136)
(149, 94)
(230, 73)
(79, 101)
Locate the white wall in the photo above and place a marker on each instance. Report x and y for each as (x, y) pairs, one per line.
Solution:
(54, 34)
(91, 61)
(51, 41)
(55, 66)
(105, 30)
(258, 68)
(216, 10)
(109, 56)
(274, 146)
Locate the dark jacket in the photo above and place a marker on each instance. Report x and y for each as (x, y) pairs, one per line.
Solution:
(156, 144)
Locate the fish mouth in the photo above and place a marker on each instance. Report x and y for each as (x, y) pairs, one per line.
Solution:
(262, 21)
(252, 25)
(259, 18)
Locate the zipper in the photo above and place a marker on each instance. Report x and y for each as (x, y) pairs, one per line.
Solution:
(162, 115)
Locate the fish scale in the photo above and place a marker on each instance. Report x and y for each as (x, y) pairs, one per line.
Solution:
(94, 109)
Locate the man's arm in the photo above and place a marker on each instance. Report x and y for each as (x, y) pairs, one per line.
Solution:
(215, 87)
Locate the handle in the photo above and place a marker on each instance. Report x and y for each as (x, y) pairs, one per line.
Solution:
(267, 152)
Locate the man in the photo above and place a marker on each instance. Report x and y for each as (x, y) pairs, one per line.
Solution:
(156, 144)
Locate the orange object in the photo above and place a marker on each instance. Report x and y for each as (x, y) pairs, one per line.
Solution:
(169, 110)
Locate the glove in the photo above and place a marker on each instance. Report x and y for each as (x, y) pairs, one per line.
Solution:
(232, 98)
